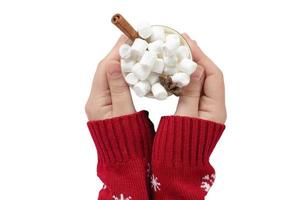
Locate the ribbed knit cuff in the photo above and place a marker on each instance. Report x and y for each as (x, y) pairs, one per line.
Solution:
(185, 141)
(122, 138)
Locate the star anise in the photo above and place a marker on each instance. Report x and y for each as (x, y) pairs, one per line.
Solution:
(168, 84)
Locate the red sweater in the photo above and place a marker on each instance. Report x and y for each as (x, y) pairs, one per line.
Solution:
(174, 166)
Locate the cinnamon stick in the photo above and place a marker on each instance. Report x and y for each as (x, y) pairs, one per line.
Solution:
(124, 26)
(119, 21)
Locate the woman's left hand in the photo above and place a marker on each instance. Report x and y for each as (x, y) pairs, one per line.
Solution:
(110, 95)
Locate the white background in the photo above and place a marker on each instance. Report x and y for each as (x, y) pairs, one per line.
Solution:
(48, 54)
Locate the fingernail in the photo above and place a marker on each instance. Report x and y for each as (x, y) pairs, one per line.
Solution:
(114, 71)
(187, 35)
(115, 74)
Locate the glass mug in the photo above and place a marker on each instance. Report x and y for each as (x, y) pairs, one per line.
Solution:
(167, 30)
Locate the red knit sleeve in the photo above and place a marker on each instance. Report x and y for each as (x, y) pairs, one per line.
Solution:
(180, 158)
(124, 151)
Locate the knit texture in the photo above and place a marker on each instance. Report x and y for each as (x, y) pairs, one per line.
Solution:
(124, 151)
(180, 157)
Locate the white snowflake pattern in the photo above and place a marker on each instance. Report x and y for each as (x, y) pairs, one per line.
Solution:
(154, 183)
(213, 176)
(207, 182)
(121, 197)
(205, 186)
(206, 177)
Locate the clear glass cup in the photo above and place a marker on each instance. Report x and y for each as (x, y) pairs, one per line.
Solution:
(168, 30)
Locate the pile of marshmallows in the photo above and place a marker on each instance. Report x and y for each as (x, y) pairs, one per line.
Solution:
(159, 52)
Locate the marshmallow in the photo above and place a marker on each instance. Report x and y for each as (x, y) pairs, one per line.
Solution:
(181, 79)
(144, 29)
(170, 70)
(170, 61)
(158, 66)
(131, 79)
(173, 37)
(153, 78)
(182, 52)
(188, 66)
(143, 63)
(159, 91)
(148, 59)
(141, 71)
(141, 88)
(172, 43)
(158, 33)
(126, 65)
(125, 51)
(156, 47)
(138, 48)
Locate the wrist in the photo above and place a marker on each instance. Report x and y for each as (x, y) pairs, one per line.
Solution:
(185, 141)
(122, 138)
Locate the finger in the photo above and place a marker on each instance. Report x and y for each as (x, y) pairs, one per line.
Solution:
(120, 94)
(100, 80)
(114, 53)
(200, 57)
(100, 85)
(188, 103)
(214, 82)
(99, 97)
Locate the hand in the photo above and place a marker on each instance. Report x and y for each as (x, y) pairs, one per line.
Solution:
(204, 97)
(110, 95)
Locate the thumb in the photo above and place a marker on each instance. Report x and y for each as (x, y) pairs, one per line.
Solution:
(188, 103)
(120, 94)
